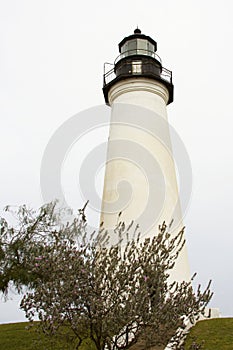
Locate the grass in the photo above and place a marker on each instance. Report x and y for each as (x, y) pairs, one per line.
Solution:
(217, 334)
(18, 336)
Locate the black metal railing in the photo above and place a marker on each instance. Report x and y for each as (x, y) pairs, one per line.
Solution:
(136, 68)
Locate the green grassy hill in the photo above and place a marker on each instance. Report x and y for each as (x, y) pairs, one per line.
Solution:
(18, 336)
(217, 334)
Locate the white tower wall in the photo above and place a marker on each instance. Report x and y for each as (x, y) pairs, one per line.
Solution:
(122, 172)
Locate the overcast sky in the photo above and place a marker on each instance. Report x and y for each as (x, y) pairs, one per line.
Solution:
(51, 66)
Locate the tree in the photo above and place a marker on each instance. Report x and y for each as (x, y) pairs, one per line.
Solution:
(115, 296)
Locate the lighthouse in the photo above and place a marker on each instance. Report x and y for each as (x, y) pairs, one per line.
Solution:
(140, 183)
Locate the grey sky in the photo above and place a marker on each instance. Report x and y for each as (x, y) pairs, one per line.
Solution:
(51, 66)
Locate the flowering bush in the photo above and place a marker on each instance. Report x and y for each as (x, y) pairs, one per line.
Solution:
(115, 296)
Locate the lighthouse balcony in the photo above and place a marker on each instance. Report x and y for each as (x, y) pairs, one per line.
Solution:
(135, 65)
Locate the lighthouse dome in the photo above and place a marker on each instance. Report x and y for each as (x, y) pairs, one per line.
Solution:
(137, 44)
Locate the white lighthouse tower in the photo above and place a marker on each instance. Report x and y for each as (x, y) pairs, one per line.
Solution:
(140, 178)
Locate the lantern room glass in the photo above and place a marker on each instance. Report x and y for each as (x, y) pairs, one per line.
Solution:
(137, 47)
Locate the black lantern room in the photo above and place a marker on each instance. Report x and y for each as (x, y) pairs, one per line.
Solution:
(137, 59)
